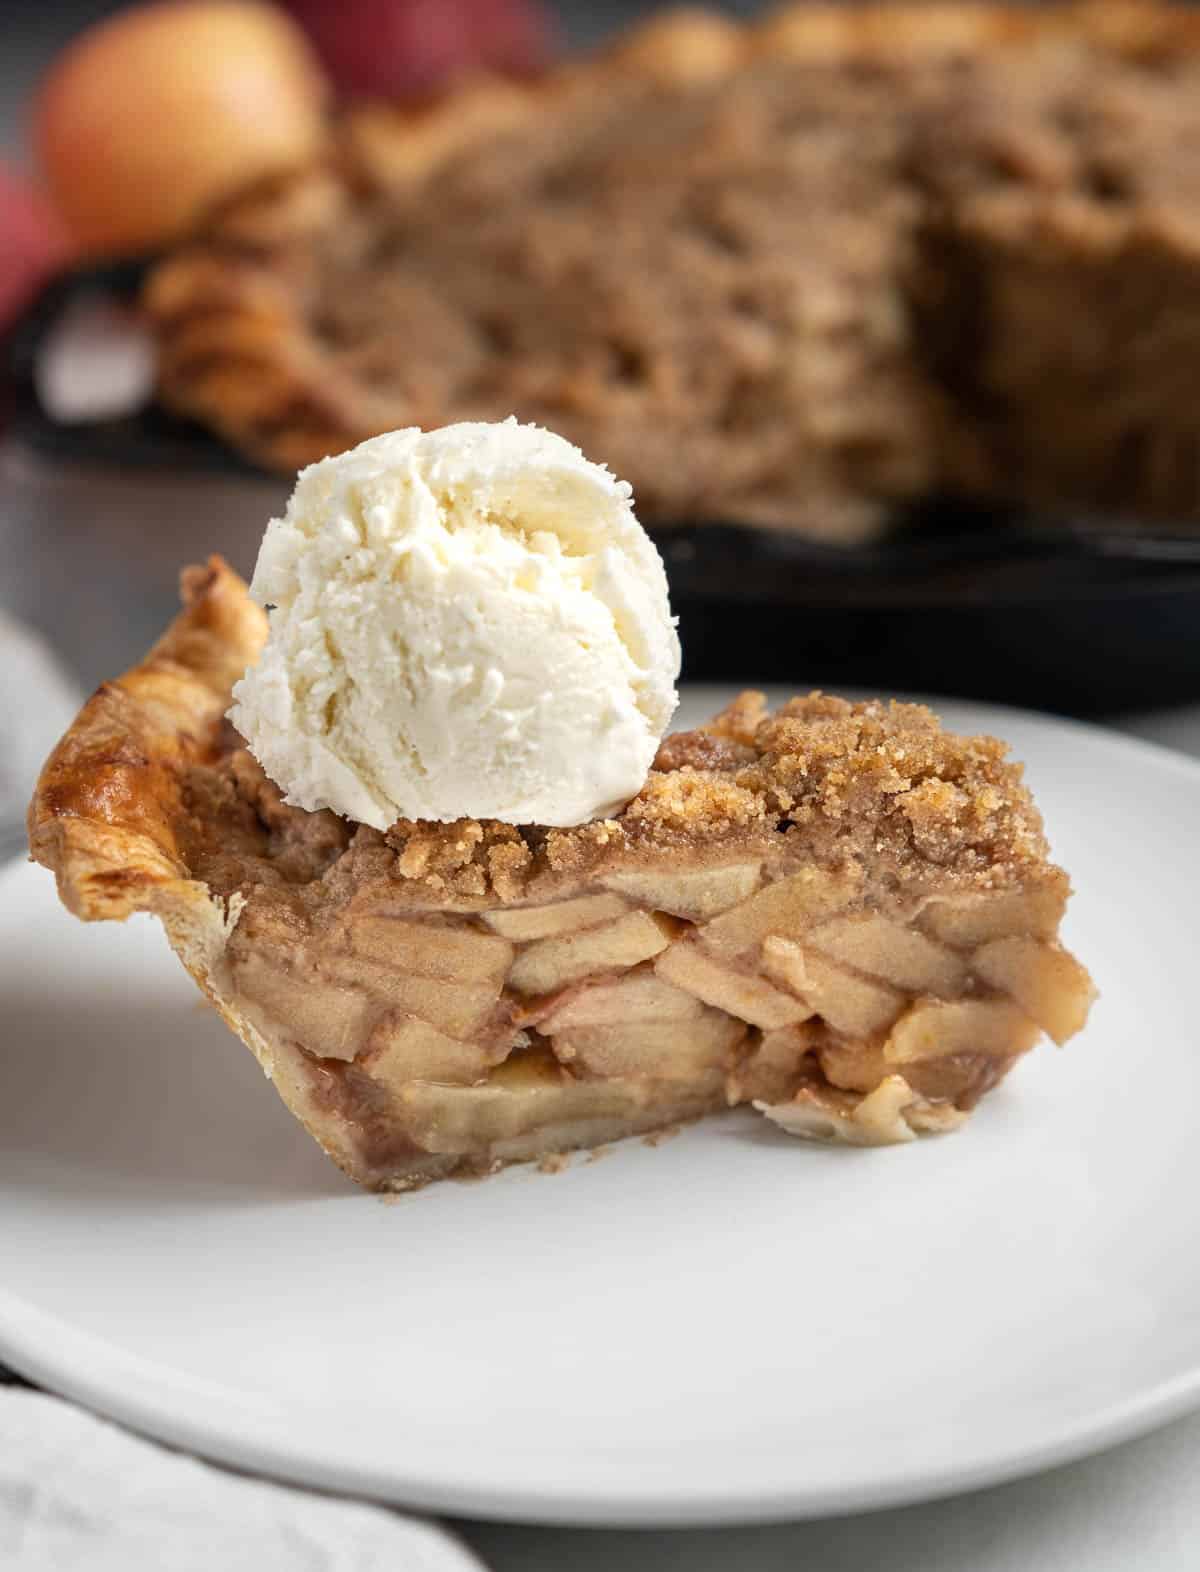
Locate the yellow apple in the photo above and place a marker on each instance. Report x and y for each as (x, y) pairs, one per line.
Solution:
(147, 118)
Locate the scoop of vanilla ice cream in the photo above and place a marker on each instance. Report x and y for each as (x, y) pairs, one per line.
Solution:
(467, 622)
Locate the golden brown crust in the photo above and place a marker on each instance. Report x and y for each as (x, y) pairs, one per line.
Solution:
(106, 814)
(109, 815)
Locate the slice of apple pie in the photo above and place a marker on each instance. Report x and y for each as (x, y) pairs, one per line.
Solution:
(838, 912)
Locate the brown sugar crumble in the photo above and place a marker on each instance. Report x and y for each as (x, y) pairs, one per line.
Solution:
(839, 781)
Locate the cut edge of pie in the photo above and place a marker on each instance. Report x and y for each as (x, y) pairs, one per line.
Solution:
(839, 913)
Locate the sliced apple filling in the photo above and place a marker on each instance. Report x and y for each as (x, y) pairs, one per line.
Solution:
(475, 1037)
(482, 1037)
(548, 964)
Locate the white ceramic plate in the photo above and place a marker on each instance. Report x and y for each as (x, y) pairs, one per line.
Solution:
(732, 1326)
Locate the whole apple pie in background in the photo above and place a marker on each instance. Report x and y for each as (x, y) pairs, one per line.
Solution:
(841, 259)
(838, 912)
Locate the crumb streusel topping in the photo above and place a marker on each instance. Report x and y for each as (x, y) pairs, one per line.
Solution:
(873, 783)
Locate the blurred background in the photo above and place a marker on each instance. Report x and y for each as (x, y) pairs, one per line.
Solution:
(34, 33)
(1006, 588)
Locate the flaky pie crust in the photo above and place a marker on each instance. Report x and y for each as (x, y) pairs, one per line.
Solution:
(108, 810)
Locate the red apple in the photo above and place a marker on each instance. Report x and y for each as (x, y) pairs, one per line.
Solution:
(408, 48)
(33, 245)
(149, 117)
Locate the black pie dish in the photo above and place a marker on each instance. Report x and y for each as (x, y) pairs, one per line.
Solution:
(1073, 614)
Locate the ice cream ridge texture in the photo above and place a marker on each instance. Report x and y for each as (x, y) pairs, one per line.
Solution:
(467, 622)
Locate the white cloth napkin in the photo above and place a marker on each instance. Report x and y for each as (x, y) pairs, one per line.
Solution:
(80, 1495)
